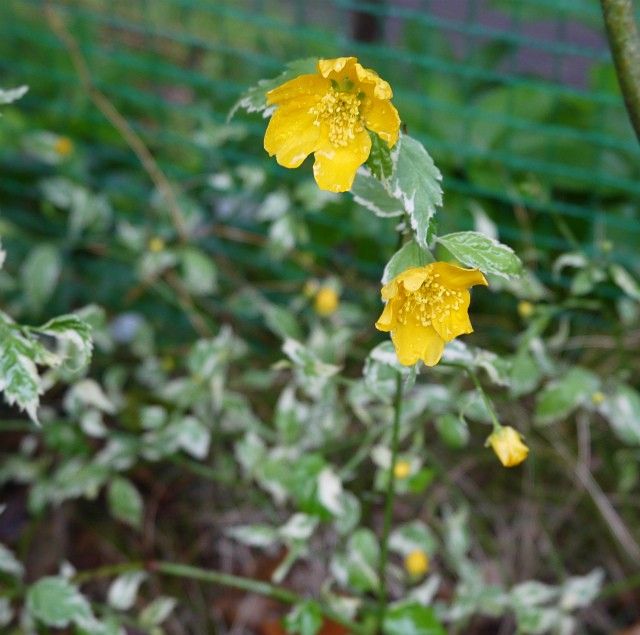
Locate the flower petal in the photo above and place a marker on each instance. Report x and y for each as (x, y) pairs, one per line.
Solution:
(456, 277)
(335, 168)
(335, 65)
(379, 88)
(413, 278)
(382, 118)
(385, 321)
(413, 342)
(453, 322)
(292, 136)
(300, 87)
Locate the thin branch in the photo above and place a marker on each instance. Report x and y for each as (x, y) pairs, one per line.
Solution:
(106, 107)
(624, 43)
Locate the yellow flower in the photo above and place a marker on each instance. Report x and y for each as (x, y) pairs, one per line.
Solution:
(402, 469)
(63, 146)
(427, 307)
(416, 563)
(329, 113)
(508, 445)
(525, 309)
(326, 301)
(156, 244)
(598, 397)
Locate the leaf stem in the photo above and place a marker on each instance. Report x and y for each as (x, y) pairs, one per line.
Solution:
(485, 398)
(388, 508)
(624, 43)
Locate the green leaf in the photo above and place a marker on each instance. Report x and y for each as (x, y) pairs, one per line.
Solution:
(304, 619)
(622, 410)
(254, 99)
(408, 256)
(411, 618)
(40, 273)
(416, 182)
(580, 591)
(73, 336)
(9, 563)
(357, 565)
(453, 430)
(56, 602)
(125, 502)
(374, 196)
(412, 536)
(199, 272)
(379, 161)
(157, 611)
(625, 281)
(561, 397)
(259, 535)
(19, 378)
(481, 252)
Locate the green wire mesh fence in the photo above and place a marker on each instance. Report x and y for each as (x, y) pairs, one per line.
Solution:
(517, 101)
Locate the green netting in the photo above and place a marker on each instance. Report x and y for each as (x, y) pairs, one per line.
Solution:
(517, 101)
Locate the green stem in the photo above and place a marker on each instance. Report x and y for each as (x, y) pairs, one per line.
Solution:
(624, 43)
(177, 570)
(388, 508)
(487, 402)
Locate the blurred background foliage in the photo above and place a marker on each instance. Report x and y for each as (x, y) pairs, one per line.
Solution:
(518, 104)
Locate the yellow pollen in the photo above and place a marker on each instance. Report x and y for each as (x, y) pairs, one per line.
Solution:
(431, 302)
(341, 111)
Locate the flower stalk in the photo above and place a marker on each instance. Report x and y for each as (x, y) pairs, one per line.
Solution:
(388, 506)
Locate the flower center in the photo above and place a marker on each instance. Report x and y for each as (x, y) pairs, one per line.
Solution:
(431, 302)
(341, 111)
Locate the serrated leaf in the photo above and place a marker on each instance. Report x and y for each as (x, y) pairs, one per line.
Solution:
(254, 99)
(19, 378)
(125, 502)
(408, 256)
(73, 337)
(622, 410)
(416, 182)
(374, 196)
(54, 601)
(562, 396)
(481, 252)
(411, 618)
(379, 161)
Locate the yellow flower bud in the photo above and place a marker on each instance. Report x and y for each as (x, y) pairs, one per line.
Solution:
(525, 309)
(402, 469)
(598, 397)
(63, 146)
(416, 563)
(156, 244)
(508, 445)
(326, 301)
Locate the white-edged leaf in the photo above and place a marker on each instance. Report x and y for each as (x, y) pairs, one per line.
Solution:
(193, 436)
(258, 535)
(56, 602)
(19, 378)
(157, 611)
(416, 182)
(371, 193)
(330, 491)
(580, 591)
(10, 95)
(561, 397)
(408, 256)
(199, 272)
(412, 536)
(9, 563)
(124, 590)
(298, 527)
(481, 252)
(625, 281)
(622, 410)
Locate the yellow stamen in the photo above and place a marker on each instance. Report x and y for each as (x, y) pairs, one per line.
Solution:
(416, 563)
(341, 111)
(432, 301)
